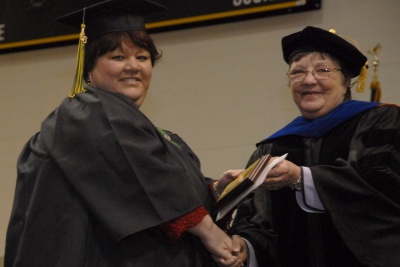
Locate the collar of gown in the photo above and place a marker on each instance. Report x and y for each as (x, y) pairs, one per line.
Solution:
(318, 127)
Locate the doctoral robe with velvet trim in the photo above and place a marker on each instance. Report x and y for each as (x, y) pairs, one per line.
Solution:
(94, 185)
(356, 171)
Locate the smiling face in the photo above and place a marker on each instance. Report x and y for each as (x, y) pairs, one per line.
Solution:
(126, 70)
(316, 98)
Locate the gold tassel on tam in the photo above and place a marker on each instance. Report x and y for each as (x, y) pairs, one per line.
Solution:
(77, 87)
(362, 79)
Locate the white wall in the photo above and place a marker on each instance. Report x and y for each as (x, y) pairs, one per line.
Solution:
(222, 88)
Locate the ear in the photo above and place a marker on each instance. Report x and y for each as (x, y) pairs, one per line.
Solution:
(347, 82)
(89, 78)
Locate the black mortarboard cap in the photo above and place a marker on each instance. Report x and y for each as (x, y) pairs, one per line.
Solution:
(112, 16)
(312, 39)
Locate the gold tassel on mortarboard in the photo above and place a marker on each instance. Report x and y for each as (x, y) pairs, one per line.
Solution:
(362, 77)
(78, 82)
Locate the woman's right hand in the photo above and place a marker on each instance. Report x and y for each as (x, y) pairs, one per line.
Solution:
(216, 241)
(284, 174)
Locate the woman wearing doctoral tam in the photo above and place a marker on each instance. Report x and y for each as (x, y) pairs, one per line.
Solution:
(100, 185)
(335, 200)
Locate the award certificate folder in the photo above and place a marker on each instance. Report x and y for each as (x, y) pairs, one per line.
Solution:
(244, 184)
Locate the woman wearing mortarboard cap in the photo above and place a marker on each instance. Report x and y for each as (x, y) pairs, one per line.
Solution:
(335, 200)
(100, 185)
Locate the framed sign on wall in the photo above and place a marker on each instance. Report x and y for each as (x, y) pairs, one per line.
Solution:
(30, 24)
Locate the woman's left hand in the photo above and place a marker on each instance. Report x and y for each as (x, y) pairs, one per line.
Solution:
(226, 178)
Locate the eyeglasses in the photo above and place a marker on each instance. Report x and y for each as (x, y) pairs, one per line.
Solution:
(319, 73)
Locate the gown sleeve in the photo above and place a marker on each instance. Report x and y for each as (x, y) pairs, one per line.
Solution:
(362, 194)
(175, 228)
(123, 169)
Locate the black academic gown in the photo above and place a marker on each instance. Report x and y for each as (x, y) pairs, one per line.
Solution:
(356, 171)
(94, 185)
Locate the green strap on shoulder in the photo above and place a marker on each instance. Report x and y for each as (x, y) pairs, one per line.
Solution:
(166, 136)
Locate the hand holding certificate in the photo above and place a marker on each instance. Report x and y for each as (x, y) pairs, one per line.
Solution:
(250, 179)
